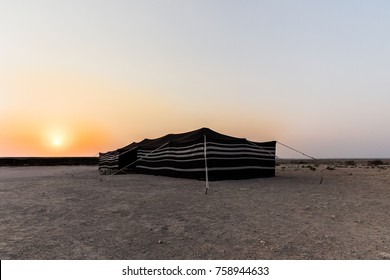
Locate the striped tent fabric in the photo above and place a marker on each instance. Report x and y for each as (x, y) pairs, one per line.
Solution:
(195, 154)
(108, 162)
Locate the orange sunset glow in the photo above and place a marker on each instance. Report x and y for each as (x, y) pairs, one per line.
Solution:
(66, 115)
(40, 139)
(77, 79)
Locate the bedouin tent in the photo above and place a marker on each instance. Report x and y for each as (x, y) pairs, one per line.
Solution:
(200, 154)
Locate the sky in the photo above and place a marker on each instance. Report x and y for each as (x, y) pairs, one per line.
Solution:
(82, 77)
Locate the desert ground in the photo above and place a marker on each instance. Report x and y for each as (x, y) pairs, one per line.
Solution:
(332, 210)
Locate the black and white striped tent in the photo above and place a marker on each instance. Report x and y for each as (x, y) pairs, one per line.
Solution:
(200, 154)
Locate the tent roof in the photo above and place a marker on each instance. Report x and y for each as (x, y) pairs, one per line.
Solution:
(183, 138)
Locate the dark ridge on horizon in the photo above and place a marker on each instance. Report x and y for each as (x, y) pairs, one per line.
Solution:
(47, 161)
(368, 161)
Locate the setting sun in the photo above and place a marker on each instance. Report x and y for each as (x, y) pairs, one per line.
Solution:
(57, 137)
(57, 142)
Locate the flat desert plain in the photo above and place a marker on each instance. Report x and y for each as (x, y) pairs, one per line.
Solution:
(305, 212)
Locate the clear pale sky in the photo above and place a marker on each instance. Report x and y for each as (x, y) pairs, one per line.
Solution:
(79, 77)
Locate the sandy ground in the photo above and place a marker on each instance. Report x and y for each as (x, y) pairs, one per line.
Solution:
(74, 213)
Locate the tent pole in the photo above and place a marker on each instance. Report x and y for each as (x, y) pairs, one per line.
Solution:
(141, 158)
(205, 165)
(126, 151)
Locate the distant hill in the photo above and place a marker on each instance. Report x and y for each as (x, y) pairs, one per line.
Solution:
(47, 161)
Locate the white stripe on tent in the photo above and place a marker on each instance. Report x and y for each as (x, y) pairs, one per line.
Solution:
(201, 153)
(209, 148)
(167, 151)
(232, 149)
(109, 158)
(209, 158)
(203, 169)
(236, 145)
(109, 166)
(209, 144)
(176, 148)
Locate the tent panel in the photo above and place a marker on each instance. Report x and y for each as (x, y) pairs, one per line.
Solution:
(182, 155)
(108, 162)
